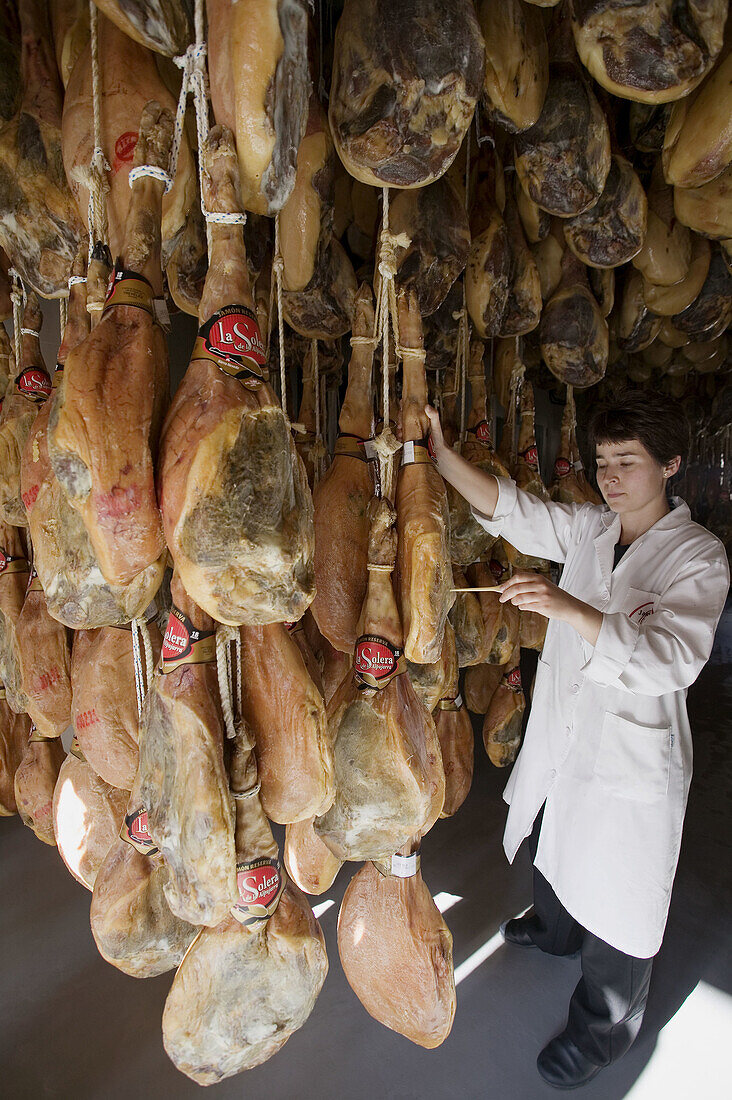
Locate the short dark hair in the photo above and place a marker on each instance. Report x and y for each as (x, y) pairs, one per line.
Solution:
(656, 420)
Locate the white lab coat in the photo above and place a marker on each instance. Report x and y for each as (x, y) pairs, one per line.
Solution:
(608, 745)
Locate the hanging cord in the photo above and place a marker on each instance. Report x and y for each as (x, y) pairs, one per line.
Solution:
(318, 452)
(97, 181)
(386, 320)
(18, 298)
(278, 267)
(143, 677)
(229, 679)
(195, 80)
(63, 314)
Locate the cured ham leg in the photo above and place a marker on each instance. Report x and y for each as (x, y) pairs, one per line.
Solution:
(181, 780)
(468, 540)
(503, 720)
(104, 703)
(388, 771)
(286, 714)
(422, 514)
(104, 427)
(76, 592)
(39, 225)
(431, 681)
(246, 986)
(45, 662)
(19, 410)
(132, 925)
(14, 572)
(35, 781)
(467, 622)
(87, 815)
(455, 732)
(570, 486)
(161, 25)
(14, 732)
(309, 862)
(480, 686)
(341, 498)
(236, 506)
(396, 952)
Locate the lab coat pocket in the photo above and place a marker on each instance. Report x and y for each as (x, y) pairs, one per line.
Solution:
(633, 760)
(638, 604)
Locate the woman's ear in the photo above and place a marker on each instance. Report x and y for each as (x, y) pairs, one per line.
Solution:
(672, 467)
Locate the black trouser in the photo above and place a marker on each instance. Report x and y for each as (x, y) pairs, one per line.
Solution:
(606, 1009)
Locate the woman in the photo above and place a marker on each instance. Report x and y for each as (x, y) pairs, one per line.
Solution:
(601, 782)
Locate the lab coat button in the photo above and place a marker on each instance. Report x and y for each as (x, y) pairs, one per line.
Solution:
(553, 774)
(574, 689)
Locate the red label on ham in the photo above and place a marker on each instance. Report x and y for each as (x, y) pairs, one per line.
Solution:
(531, 457)
(260, 883)
(496, 568)
(562, 467)
(34, 383)
(134, 831)
(512, 679)
(184, 644)
(483, 432)
(124, 148)
(233, 338)
(376, 661)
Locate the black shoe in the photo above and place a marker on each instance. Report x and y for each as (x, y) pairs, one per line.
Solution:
(564, 1066)
(518, 930)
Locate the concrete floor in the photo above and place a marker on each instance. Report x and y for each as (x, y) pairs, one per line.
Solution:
(72, 1026)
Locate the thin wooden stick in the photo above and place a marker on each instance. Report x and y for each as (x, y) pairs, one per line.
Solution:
(476, 590)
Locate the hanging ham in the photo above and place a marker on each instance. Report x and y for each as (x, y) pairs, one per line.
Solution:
(162, 25)
(236, 505)
(488, 274)
(405, 83)
(467, 622)
(121, 102)
(455, 734)
(388, 773)
(697, 144)
(87, 816)
(39, 226)
(563, 159)
(503, 720)
(517, 62)
(573, 333)
(396, 950)
(285, 712)
(133, 927)
(246, 986)
(652, 51)
(104, 711)
(481, 682)
(258, 67)
(341, 498)
(613, 230)
(310, 863)
(29, 391)
(666, 253)
(421, 501)
(431, 681)
(104, 426)
(14, 733)
(35, 781)
(181, 780)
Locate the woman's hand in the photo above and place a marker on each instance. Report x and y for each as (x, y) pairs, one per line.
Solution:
(535, 592)
(438, 439)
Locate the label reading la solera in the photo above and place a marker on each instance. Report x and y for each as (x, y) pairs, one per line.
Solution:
(562, 466)
(531, 457)
(512, 678)
(34, 383)
(376, 661)
(134, 831)
(185, 644)
(231, 337)
(260, 883)
(482, 432)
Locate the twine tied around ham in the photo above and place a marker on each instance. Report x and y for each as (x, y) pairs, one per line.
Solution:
(278, 267)
(143, 677)
(195, 80)
(18, 298)
(95, 178)
(229, 678)
(386, 444)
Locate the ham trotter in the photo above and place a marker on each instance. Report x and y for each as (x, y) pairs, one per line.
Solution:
(390, 783)
(396, 950)
(425, 576)
(181, 780)
(246, 986)
(236, 506)
(104, 427)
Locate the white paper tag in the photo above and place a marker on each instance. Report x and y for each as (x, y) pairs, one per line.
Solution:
(370, 449)
(404, 866)
(160, 306)
(408, 452)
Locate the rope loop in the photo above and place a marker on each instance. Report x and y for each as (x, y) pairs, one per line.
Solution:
(229, 679)
(150, 171)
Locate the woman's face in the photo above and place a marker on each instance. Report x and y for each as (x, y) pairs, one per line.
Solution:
(630, 478)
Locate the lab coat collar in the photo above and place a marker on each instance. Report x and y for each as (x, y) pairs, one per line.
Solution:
(605, 541)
